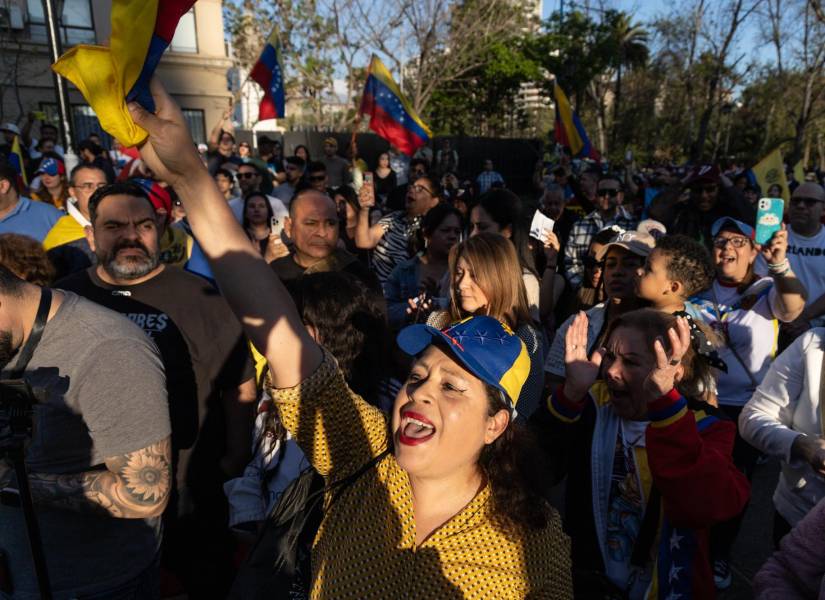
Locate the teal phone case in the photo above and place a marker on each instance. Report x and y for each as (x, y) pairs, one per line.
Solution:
(768, 218)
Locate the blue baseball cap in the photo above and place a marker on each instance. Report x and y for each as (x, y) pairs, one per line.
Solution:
(484, 346)
(51, 166)
(731, 223)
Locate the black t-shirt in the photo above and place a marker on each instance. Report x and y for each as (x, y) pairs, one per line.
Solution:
(201, 343)
(288, 270)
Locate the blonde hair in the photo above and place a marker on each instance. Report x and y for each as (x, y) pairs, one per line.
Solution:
(495, 268)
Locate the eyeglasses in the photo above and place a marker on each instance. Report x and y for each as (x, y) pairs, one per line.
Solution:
(317, 177)
(736, 242)
(608, 192)
(420, 188)
(809, 202)
(89, 186)
(247, 175)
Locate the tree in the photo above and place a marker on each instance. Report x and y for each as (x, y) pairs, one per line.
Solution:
(631, 40)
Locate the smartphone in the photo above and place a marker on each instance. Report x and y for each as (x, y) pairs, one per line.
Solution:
(275, 226)
(367, 178)
(768, 218)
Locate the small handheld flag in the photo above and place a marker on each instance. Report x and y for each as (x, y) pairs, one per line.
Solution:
(268, 72)
(15, 160)
(391, 114)
(569, 130)
(109, 77)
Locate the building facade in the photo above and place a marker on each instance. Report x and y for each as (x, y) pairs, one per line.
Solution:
(194, 68)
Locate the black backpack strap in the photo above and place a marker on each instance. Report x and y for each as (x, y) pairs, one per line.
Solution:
(40, 319)
(647, 532)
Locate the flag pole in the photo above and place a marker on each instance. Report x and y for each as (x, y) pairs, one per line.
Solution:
(356, 122)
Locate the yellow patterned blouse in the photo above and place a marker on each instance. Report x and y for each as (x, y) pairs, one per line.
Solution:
(366, 547)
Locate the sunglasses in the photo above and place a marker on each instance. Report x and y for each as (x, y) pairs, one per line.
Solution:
(247, 175)
(736, 242)
(88, 186)
(590, 262)
(609, 192)
(317, 177)
(809, 202)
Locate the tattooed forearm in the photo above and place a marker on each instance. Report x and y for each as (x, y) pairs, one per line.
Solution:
(133, 486)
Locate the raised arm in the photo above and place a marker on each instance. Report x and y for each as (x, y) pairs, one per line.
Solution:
(790, 293)
(367, 236)
(253, 291)
(217, 130)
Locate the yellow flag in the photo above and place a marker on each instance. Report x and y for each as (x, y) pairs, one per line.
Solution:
(770, 171)
(105, 75)
(799, 172)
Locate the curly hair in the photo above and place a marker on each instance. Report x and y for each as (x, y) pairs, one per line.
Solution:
(688, 262)
(26, 258)
(518, 478)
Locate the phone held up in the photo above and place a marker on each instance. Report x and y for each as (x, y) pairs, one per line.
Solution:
(768, 218)
(276, 226)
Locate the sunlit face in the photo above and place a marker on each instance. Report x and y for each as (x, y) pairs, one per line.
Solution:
(733, 253)
(625, 366)
(86, 182)
(313, 226)
(243, 150)
(124, 237)
(482, 222)
(440, 420)
(592, 265)
(620, 272)
(445, 236)
(248, 179)
(224, 183)
(653, 282)
(226, 143)
(469, 294)
(420, 197)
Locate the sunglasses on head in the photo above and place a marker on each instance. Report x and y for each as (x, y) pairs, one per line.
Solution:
(247, 175)
(809, 202)
(608, 192)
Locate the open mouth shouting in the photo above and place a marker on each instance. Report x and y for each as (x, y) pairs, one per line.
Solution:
(414, 428)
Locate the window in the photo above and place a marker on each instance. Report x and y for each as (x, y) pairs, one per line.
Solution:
(84, 120)
(194, 119)
(186, 38)
(76, 22)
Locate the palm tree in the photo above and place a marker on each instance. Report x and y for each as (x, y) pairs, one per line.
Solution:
(630, 41)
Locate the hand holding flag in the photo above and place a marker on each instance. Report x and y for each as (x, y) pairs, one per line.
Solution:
(108, 77)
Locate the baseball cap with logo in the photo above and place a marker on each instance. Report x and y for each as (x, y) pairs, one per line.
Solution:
(51, 166)
(635, 242)
(484, 346)
(704, 174)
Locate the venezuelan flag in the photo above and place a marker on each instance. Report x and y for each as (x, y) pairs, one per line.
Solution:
(108, 77)
(268, 72)
(391, 114)
(569, 130)
(15, 160)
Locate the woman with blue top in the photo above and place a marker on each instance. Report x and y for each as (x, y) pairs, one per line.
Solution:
(745, 311)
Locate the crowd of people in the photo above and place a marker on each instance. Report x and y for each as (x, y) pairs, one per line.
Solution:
(207, 328)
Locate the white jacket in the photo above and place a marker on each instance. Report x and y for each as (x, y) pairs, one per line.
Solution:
(784, 406)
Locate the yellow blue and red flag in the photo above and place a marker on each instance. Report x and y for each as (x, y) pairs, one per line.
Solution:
(108, 77)
(15, 160)
(268, 72)
(569, 130)
(391, 114)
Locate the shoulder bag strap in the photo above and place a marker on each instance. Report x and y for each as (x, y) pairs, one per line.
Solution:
(822, 392)
(730, 343)
(40, 319)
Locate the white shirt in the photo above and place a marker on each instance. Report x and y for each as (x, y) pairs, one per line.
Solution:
(747, 322)
(807, 258)
(554, 363)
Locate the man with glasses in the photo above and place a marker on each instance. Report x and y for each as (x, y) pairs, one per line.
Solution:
(609, 211)
(250, 179)
(390, 237)
(806, 255)
(318, 178)
(712, 196)
(66, 243)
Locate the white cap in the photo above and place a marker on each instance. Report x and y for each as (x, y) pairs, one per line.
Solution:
(10, 127)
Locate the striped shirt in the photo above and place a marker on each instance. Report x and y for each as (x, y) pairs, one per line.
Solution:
(366, 549)
(394, 246)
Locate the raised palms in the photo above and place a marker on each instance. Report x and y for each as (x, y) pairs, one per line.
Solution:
(581, 371)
